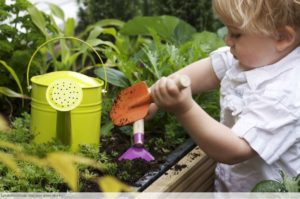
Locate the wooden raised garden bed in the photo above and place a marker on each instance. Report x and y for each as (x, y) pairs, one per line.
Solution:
(193, 173)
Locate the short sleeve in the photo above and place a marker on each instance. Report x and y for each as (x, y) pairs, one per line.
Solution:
(221, 61)
(268, 126)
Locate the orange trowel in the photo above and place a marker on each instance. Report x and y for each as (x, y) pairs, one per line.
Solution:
(133, 102)
(131, 106)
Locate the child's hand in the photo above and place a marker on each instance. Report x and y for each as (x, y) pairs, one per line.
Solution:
(167, 95)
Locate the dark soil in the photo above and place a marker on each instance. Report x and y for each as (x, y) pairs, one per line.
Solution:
(138, 172)
(129, 171)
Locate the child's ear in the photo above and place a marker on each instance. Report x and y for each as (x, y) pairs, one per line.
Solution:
(286, 38)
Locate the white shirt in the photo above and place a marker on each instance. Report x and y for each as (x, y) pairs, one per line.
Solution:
(262, 106)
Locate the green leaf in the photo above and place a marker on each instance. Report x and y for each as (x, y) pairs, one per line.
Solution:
(269, 186)
(290, 183)
(69, 28)
(102, 23)
(114, 77)
(38, 19)
(110, 22)
(10, 93)
(95, 33)
(169, 28)
(57, 11)
(96, 42)
(110, 31)
(54, 25)
(6, 46)
(12, 72)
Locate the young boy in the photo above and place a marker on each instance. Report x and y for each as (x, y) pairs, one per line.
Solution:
(258, 74)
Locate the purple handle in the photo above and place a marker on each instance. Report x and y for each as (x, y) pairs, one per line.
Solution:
(138, 139)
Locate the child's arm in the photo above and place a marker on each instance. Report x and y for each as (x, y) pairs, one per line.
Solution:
(214, 138)
(202, 75)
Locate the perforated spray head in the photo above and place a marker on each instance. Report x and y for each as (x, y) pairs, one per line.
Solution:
(64, 94)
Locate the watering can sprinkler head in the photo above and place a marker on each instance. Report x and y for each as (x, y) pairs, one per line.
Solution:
(64, 94)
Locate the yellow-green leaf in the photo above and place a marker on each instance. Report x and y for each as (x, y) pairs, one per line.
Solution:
(4, 127)
(69, 27)
(88, 162)
(112, 184)
(33, 159)
(10, 162)
(81, 160)
(5, 144)
(64, 165)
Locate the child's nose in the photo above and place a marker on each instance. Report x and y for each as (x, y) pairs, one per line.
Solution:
(228, 40)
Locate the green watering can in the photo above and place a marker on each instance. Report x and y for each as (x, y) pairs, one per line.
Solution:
(66, 105)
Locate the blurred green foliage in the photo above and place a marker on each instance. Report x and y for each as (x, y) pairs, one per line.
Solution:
(198, 13)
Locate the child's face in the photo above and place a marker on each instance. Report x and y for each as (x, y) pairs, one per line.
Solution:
(252, 50)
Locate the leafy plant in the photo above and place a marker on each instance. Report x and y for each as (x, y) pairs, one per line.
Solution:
(169, 28)
(174, 44)
(72, 52)
(197, 13)
(4, 91)
(27, 166)
(286, 184)
(110, 9)
(18, 37)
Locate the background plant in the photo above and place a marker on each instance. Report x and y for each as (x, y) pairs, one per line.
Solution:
(18, 38)
(197, 13)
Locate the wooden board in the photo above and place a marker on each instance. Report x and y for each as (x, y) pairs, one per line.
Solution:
(193, 173)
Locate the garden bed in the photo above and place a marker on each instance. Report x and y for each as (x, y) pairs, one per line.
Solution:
(187, 168)
(139, 173)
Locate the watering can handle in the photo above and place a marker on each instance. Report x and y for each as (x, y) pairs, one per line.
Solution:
(57, 38)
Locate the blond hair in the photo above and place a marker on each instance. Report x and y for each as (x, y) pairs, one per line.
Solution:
(258, 16)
